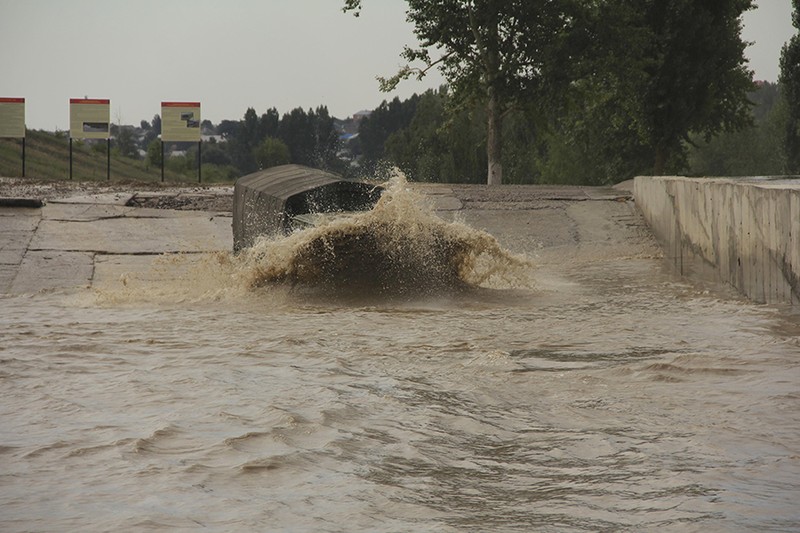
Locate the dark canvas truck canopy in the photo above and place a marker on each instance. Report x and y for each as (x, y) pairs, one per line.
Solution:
(267, 202)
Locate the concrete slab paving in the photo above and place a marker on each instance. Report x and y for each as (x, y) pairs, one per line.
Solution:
(47, 270)
(13, 249)
(113, 272)
(16, 241)
(134, 235)
(78, 242)
(446, 203)
(83, 212)
(111, 198)
(17, 226)
(96, 240)
(68, 211)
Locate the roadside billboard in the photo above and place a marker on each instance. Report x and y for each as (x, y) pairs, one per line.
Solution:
(12, 117)
(180, 121)
(89, 118)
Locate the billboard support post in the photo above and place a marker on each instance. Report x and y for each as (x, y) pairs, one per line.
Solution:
(70, 157)
(108, 159)
(162, 161)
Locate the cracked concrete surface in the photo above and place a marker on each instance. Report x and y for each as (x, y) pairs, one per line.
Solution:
(80, 242)
(85, 240)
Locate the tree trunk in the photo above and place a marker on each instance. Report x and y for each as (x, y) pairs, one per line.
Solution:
(494, 141)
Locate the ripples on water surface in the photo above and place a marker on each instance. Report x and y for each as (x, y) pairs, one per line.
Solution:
(609, 397)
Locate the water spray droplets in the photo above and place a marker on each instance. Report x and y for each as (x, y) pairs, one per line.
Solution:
(399, 247)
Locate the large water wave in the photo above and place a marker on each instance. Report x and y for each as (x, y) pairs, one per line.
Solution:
(398, 247)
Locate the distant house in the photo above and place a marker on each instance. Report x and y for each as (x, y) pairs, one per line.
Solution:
(348, 128)
(347, 132)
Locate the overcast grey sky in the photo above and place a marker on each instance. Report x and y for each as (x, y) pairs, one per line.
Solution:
(234, 54)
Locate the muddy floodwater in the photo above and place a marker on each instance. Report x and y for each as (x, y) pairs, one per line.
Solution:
(583, 388)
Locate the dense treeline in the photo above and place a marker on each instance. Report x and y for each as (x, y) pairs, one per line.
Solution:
(429, 145)
(790, 81)
(306, 138)
(429, 140)
(238, 147)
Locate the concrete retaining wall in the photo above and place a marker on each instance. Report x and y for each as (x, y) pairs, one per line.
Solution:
(744, 232)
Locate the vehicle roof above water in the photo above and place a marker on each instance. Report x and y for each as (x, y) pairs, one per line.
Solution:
(287, 180)
(269, 200)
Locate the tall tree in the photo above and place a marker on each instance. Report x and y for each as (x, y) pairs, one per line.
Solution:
(157, 124)
(296, 132)
(417, 149)
(590, 131)
(249, 132)
(310, 136)
(126, 143)
(242, 139)
(387, 118)
(154, 153)
(648, 76)
(440, 146)
(790, 84)
(271, 153)
(228, 128)
(492, 51)
(269, 123)
(696, 76)
(754, 151)
(150, 134)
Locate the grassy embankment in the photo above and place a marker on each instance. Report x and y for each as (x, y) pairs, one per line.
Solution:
(47, 158)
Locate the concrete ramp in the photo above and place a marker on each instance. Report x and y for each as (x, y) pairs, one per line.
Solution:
(92, 241)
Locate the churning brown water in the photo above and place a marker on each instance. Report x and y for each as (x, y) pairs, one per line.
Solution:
(589, 394)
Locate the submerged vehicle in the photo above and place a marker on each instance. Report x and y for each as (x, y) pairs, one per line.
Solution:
(283, 198)
(356, 236)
